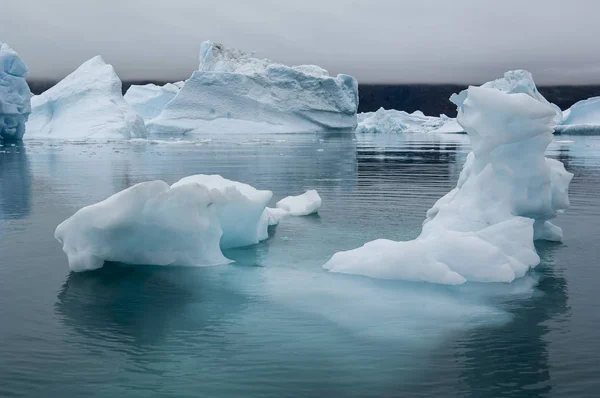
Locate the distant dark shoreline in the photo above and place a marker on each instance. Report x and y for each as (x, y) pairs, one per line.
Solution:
(431, 99)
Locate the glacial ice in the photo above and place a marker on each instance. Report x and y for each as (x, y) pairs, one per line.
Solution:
(394, 121)
(187, 223)
(15, 105)
(148, 223)
(507, 193)
(239, 208)
(302, 205)
(581, 118)
(149, 100)
(234, 92)
(87, 104)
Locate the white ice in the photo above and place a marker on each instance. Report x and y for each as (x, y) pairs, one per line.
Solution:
(234, 92)
(394, 121)
(149, 100)
(484, 229)
(239, 207)
(87, 104)
(301, 205)
(15, 105)
(583, 117)
(186, 223)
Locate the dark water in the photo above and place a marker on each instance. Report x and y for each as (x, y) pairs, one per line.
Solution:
(274, 323)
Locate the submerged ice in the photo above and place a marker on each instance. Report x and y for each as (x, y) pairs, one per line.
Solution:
(15, 105)
(507, 193)
(87, 104)
(234, 92)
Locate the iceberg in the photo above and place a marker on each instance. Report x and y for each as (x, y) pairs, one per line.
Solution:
(239, 208)
(15, 105)
(581, 118)
(394, 121)
(381, 121)
(234, 92)
(302, 205)
(187, 223)
(149, 100)
(507, 193)
(87, 104)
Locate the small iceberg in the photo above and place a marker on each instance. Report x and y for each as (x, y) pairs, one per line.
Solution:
(187, 223)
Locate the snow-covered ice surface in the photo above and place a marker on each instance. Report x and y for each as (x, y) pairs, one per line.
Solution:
(85, 105)
(394, 121)
(149, 100)
(581, 118)
(15, 105)
(484, 229)
(234, 92)
(153, 223)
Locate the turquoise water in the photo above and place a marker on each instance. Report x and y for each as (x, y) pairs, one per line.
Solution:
(274, 323)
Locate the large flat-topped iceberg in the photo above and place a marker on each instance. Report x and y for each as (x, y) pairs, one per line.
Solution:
(14, 94)
(582, 118)
(484, 229)
(87, 104)
(393, 121)
(233, 92)
(186, 223)
(148, 100)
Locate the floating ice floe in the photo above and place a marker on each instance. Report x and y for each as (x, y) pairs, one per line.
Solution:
(234, 92)
(149, 100)
(186, 223)
(582, 118)
(301, 205)
(87, 104)
(394, 121)
(15, 105)
(484, 229)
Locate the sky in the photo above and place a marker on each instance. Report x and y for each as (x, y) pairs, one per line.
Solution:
(376, 41)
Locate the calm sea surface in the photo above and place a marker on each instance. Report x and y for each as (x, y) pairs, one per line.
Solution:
(274, 323)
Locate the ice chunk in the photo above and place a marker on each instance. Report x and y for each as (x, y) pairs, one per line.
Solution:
(15, 105)
(153, 223)
(583, 117)
(274, 215)
(482, 230)
(148, 223)
(233, 92)
(87, 104)
(302, 205)
(519, 81)
(149, 100)
(381, 122)
(394, 121)
(239, 207)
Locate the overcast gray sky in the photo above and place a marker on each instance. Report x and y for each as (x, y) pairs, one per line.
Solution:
(429, 41)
